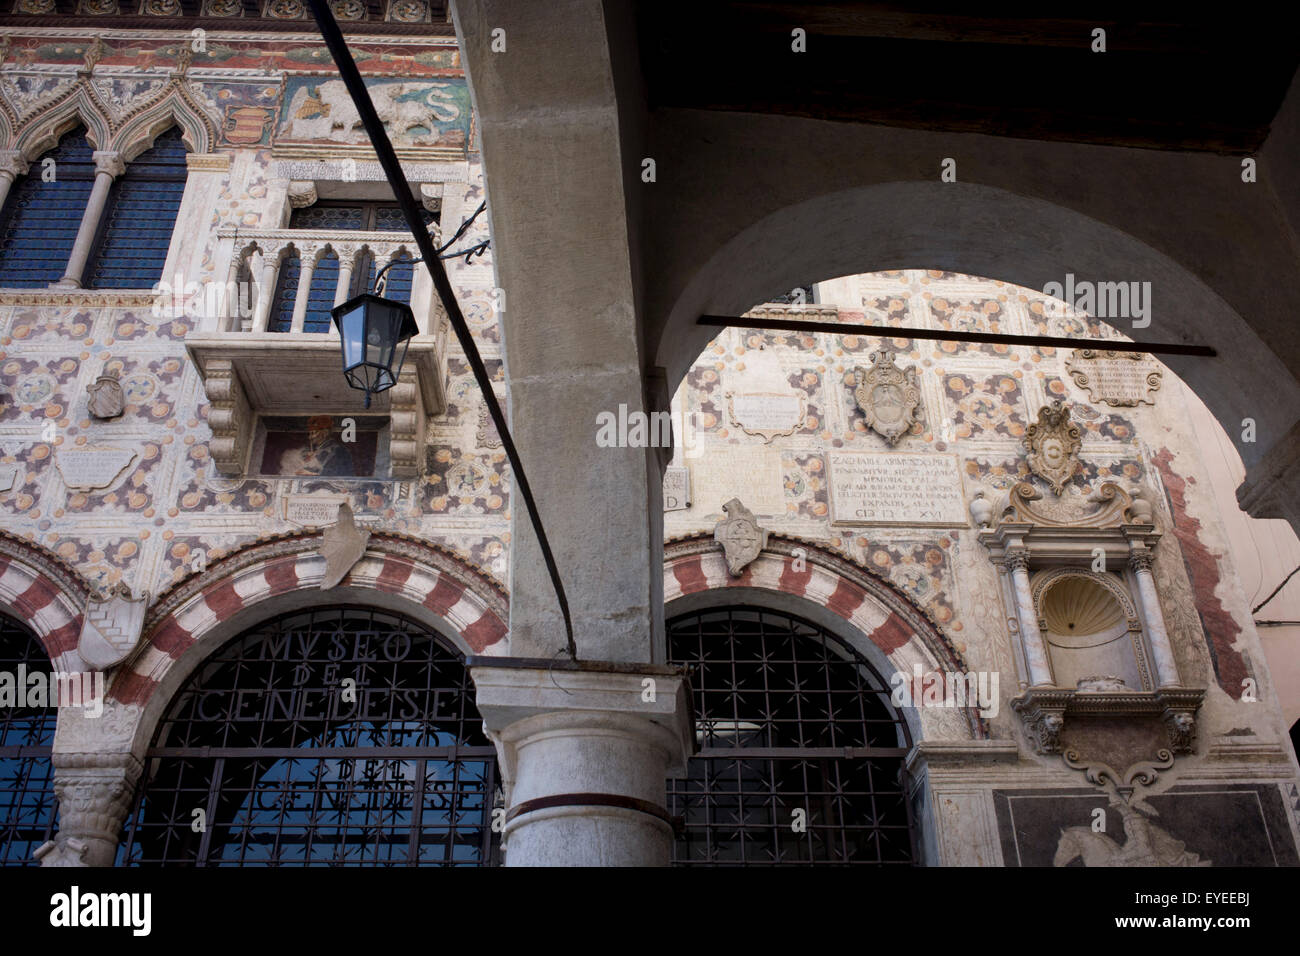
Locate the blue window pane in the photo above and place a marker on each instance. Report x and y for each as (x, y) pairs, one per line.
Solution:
(140, 217)
(328, 217)
(286, 288)
(320, 299)
(400, 277)
(40, 219)
(368, 216)
(27, 800)
(320, 296)
(390, 219)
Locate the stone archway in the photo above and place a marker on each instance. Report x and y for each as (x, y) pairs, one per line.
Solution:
(865, 611)
(994, 233)
(46, 594)
(98, 760)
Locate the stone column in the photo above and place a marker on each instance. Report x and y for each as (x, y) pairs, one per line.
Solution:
(381, 260)
(12, 165)
(1157, 635)
(108, 166)
(95, 792)
(266, 289)
(347, 262)
(307, 266)
(231, 320)
(554, 153)
(585, 752)
(1031, 636)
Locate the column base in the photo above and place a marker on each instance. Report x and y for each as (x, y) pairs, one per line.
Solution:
(585, 752)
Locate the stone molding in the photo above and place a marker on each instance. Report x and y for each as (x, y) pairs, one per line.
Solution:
(695, 564)
(46, 593)
(473, 604)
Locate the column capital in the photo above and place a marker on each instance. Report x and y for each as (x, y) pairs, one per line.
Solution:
(13, 164)
(1140, 560)
(95, 792)
(109, 161)
(585, 751)
(1017, 559)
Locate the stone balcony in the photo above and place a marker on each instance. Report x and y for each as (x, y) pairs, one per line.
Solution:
(249, 371)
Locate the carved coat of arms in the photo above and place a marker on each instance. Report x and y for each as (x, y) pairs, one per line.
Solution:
(741, 538)
(105, 397)
(247, 125)
(888, 396)
(1054, 442)
(110, 628)
(342, 545)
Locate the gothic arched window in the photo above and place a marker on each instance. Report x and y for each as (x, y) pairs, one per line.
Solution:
(138, 221)
(27, 801)
(43, 213)
(337, 736)
(801, 753)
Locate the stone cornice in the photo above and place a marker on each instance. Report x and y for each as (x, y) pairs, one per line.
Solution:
(79, 298)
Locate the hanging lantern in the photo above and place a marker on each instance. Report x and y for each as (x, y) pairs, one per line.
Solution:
(375, 332)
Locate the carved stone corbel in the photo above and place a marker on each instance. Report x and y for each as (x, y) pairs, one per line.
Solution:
(431, 198)
(1044, 719)
(228, 417)
(406, 425)
(1180, 725)
(302, 193)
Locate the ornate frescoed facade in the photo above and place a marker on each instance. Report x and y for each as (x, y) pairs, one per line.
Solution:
(937, 603)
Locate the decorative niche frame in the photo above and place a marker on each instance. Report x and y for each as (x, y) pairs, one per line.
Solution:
(1040, 546)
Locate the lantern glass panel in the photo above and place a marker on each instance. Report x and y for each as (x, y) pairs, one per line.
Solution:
(351, 330)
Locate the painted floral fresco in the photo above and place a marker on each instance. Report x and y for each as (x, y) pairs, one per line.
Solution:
(985, 408)
(150, 526)
(976, 402)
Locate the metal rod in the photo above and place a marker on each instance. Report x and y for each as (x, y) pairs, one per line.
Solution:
(475, 250)
(356, 87)
(943, 335)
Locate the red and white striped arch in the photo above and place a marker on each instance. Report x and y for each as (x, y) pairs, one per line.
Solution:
(285, 574)
(790, 566)
(41, 591)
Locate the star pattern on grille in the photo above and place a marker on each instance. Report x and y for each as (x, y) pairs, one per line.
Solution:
(801, 754)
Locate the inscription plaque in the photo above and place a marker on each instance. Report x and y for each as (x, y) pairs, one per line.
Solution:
(92, 467)
(318, 510)
(677, 488)
(895, 489)
(767, 415)
(8, 475)
(1120, 379)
